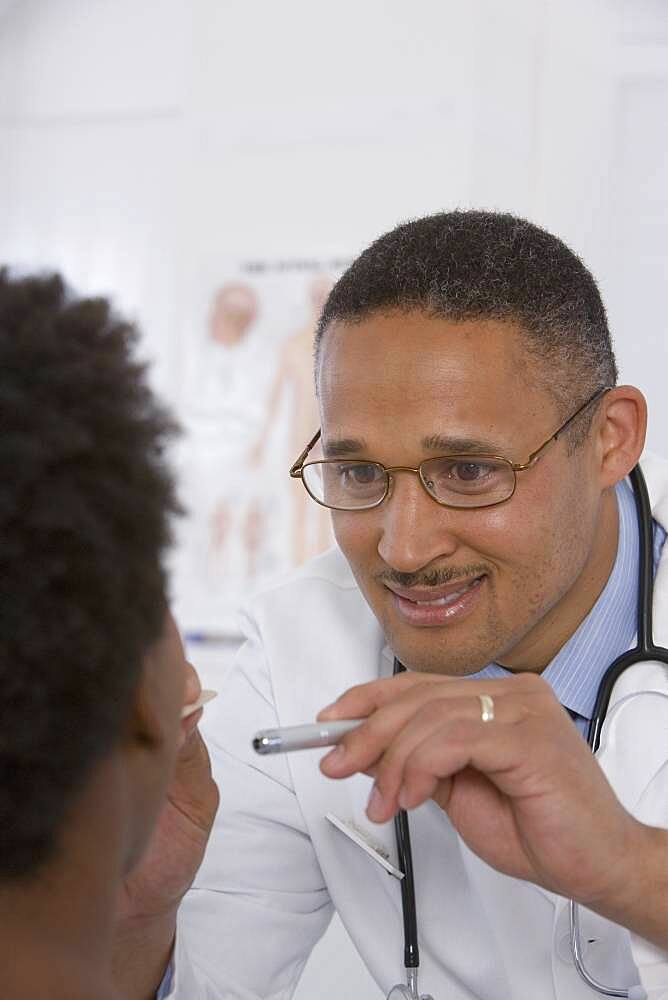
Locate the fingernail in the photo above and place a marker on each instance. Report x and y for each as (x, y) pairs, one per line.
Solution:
(323, 711)
(404, 799)
(374, 807)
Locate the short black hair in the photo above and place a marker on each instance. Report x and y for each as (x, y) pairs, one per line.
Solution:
(465, 265)
(85, 507)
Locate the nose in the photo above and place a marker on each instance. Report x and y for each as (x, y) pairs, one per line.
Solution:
(414, 529)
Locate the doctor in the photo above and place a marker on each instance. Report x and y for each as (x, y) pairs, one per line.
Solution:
(476, 448)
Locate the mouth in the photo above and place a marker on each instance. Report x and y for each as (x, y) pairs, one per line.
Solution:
(434, 606)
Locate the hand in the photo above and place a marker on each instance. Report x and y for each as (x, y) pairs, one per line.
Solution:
(523, 790)
(155, 888)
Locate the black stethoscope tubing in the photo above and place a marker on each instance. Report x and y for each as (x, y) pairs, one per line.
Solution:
(644, 650)
(403, 838)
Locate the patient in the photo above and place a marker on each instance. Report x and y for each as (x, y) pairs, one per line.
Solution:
(92, 671)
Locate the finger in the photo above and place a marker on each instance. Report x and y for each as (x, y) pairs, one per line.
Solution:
(363, 747)
(429, 766)
(442, 719)
(435, 718)
(363, 699)
(439, 757)
(522, 759)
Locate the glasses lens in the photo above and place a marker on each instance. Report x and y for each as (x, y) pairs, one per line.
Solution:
(468, 481)
(345, 485)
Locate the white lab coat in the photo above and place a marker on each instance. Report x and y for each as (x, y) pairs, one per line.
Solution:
(275, 867)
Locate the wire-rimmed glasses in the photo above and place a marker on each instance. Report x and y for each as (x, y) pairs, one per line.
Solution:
(458, 480)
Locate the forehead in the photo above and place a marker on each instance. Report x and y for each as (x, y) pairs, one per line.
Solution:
(414, 374)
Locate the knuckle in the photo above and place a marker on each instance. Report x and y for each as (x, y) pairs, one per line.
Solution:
(532, 683)
(535, 694)
(460, 730)
(419, 758)
(358, 691)
(423, 763)
(437, 710)
(365, 744)
(387, 776)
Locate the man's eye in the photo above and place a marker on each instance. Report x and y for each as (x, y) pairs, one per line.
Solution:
(359, 475)
(459, 474)
(469, 472)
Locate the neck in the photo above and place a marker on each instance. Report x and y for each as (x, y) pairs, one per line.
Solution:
(57, 925)
(541, 645)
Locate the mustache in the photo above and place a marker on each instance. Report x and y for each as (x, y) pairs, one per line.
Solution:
(434, 577)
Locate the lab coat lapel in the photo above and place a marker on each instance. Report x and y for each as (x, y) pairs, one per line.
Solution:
(634, 740)
(361, 656)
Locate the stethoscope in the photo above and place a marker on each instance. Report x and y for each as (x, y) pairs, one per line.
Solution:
(643, 651)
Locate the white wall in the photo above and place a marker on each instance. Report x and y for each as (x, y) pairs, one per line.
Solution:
(144, 142)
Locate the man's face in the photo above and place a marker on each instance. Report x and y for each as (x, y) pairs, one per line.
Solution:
(457, 589)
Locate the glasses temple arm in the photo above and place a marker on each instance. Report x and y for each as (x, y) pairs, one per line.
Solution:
(296, 467)
(557, 434)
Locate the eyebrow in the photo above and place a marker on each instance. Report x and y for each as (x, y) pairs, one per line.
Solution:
(343, 446)
(438, 443)
(443, 444)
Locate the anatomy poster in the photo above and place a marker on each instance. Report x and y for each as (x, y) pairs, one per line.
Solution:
(248, 408)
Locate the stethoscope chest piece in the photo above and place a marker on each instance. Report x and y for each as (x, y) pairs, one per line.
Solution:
(405, 993)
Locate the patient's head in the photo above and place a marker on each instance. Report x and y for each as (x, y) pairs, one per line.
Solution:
(91, 666)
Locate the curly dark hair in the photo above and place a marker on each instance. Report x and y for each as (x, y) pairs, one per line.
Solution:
(86, 500)
(486, 265)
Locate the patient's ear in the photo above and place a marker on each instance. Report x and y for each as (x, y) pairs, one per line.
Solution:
(150, 743)
(145, 729)
(620, 425)
(158, 697)
(156, 708)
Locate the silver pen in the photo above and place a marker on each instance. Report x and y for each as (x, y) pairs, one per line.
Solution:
(314, 734)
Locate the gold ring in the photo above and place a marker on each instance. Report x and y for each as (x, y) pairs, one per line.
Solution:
(486, 707)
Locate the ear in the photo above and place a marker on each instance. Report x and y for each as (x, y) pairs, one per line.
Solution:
(621, 427)
(145, 730)
(151, 736)
(158, 696)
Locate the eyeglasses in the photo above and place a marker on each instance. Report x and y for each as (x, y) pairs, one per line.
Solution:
(468, 481)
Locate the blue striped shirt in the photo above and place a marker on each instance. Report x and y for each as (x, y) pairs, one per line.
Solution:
(609, 629)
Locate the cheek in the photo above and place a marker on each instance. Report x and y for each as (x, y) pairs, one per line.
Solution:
(510, 535)
(542, 544)
(520, 542)
(356, 534)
